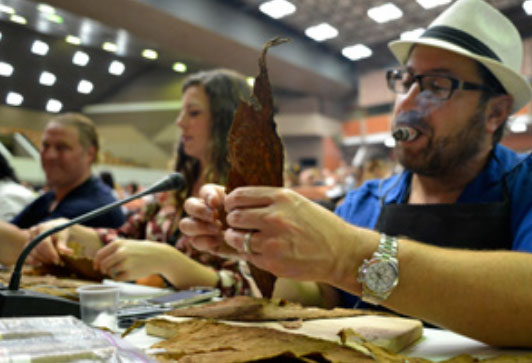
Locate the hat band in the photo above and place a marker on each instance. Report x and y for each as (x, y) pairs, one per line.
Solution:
(461, 39)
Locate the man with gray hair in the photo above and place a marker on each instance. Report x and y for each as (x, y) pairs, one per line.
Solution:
(69, 148)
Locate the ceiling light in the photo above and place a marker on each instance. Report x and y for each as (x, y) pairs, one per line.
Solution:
(429, 4)
(6, 69)
(85, 86)
(277, 8)
(250, 81)
(14, 99)
(412, 34)
(18, 19)
(39, 47)
(321, 32)
(54, 18)
(110, 47)
(53, 105)
(80, 58)
(149, 54)
(6, 9)
(45, 8)
(73, 40)
(356, 52)
(527, 5)
(385, 12)
(116, 68)
(179, 67)
(47, 78)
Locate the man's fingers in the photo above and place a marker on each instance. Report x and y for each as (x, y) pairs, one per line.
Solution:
(250, 197)
(193, 227)
(213, 195)
(197, 208)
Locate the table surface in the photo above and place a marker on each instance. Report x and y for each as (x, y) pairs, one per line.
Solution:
(436, 345)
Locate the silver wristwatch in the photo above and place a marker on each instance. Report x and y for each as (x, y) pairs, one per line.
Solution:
(380, 274)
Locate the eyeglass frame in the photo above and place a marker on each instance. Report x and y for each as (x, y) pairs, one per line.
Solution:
(456, 84)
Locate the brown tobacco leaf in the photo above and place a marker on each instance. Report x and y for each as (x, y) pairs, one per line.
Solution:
(255, 148)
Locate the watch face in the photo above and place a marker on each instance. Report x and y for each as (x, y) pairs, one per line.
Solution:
(381, 277)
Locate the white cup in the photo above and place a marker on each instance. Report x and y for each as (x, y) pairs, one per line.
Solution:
(99, 305)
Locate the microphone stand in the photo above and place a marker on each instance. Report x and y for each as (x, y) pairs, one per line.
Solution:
(15, 302)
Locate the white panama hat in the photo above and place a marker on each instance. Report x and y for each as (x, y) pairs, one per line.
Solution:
(475, 29)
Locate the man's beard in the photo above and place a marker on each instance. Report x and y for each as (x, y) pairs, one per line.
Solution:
(444, 155)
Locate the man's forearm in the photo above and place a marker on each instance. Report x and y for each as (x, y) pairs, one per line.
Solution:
(481, 294)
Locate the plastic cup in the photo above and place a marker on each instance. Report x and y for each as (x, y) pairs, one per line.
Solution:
(99, 305)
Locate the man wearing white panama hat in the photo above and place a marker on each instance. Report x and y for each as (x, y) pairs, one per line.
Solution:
(464, 196)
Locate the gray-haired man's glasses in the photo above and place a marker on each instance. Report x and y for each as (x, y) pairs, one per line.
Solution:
(433, 86)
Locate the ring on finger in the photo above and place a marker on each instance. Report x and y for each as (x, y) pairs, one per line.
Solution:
(247, 241)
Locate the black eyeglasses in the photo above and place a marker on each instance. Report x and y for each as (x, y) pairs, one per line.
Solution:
(434, 86)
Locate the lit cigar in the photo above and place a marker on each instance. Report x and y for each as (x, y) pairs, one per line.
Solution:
(405, 134)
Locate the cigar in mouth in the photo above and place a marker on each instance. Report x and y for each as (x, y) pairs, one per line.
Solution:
(405, 133)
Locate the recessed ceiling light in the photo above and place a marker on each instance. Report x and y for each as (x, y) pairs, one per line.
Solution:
(412, 34)
(149, 54)
(39, 47)
(6, 69)
(356, 52)
(527, 6)
(116, 68)
(385, 13)
(47, 78)
(321, 32)
(73, 40)
(429, 4)
(45, 8)
(110, 47)
(54, 18)
(53, 105)
(277, 8)
(14, 99)
(80, 58)
(18, 19)
(85, 86)
(7, 9)
(179, 67)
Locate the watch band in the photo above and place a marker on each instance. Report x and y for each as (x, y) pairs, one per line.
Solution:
(386, 255)
(387, 248)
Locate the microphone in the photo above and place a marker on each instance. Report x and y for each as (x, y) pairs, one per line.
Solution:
(15, 302)
(405, 133)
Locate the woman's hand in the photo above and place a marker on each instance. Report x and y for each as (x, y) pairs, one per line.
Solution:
(126, 260)
(203, 224)
(47, 251)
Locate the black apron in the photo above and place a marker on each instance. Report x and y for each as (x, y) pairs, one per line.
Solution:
(476, 226)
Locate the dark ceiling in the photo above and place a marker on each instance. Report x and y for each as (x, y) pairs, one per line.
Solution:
(201, 33)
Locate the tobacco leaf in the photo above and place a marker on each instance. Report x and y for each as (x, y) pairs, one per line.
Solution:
(255, 148)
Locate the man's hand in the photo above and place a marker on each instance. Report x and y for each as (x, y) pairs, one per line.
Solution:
(203, 224)
(47, 251)
(290, 235)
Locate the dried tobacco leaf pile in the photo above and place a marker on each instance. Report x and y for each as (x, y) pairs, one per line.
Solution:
(255, 148)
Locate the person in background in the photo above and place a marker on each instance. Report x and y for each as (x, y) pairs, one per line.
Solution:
(13, 195)
(135, 250)
(464, 197)
(69, 148)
